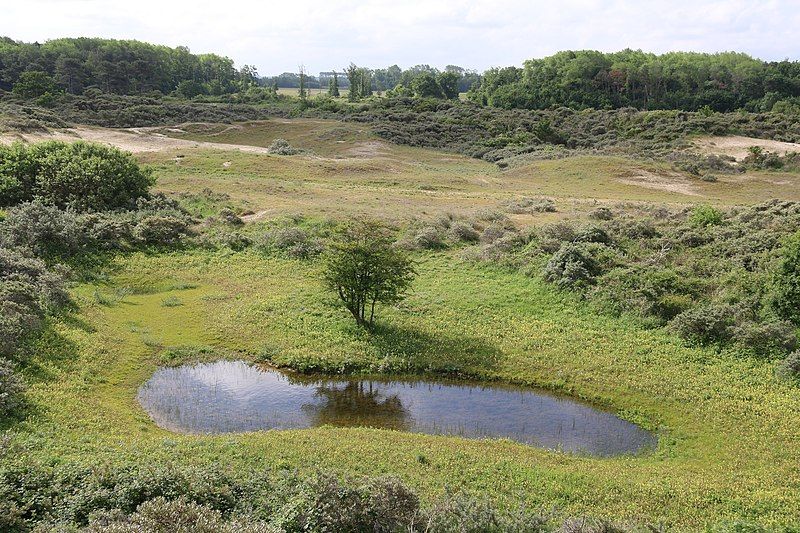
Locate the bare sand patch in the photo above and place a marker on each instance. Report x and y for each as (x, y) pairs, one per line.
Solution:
(662, 182)
(133, 140)
(738, 146)
(368, 149)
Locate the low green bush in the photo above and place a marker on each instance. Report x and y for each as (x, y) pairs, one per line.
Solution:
(705, 215)
(573, 265)
(791, 365)
(707, 324)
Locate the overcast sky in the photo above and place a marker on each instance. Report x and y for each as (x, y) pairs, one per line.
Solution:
(277, 36)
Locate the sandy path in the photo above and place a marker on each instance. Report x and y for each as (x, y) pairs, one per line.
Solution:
(738, 146)
(133, 140)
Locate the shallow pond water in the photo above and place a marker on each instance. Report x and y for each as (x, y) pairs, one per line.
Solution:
(232, 396)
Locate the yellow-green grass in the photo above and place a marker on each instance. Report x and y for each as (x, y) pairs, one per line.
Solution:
(328, 138)
(728, 427)
(349, 171)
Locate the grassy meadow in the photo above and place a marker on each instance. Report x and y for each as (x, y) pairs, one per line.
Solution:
(729, 447)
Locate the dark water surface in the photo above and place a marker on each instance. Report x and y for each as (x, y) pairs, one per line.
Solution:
(232, 396)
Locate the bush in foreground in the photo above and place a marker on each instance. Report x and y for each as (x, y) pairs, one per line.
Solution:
(81, 175)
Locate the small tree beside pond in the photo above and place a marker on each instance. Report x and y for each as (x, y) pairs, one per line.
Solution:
(365, 268)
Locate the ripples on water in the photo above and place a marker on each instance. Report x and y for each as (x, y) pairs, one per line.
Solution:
(232, 396)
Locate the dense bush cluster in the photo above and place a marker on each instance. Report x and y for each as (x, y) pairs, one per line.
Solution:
(83, 176)
(67, 200)
(505, 136)
(170, 498)
(98, 108)
(29, 291)
(714, 277)
(34, 236)
(46, 230)
(294, 240)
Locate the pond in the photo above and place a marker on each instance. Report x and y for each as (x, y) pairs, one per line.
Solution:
(232, 396)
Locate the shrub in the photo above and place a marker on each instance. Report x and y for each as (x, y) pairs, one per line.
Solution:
(531, 205)
(492, 233)
(28, 290)
(766, 338)
(108, 230)
(458, 513)
(705, 215)
(786, 286)
(571, 266)
(593, 234)
(281, 147)
(234, 240)
(11, 388)
(429, 238)
(635, 229)
(160, 229)
(325, 504)
(464, 232)
(791, 365)
(292, 241)
(705, 324)
(228, 216)
(552, 236)
(42, 229)
(286, 238)
(160, 515)
(601, 213)
(85, 176)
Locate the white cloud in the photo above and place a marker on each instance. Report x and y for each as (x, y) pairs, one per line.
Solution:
(324, 34)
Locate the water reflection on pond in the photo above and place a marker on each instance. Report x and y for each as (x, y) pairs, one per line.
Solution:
(232, 396)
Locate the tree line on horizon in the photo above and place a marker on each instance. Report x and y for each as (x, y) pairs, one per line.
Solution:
(117, 66)
(688, 81)
(583, 79)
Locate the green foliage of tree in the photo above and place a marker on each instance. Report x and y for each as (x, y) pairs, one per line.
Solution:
(448, 84)
(84, 176)
(302, 91)
(360, 82)
(426, 86)
(364, 268)
(333, 86)
(114, 66)
(786, 288)
(190, 89)
(35, 83)
(632, 78)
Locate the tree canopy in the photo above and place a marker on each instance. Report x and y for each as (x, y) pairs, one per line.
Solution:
(117, 66)
(364, 268)
(632, 78)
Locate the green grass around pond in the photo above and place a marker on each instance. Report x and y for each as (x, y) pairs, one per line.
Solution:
(728, 427)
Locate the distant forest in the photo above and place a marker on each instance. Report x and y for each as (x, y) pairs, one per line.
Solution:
(576, 79)
(118, 67)
(632, 78)
(383, 79)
